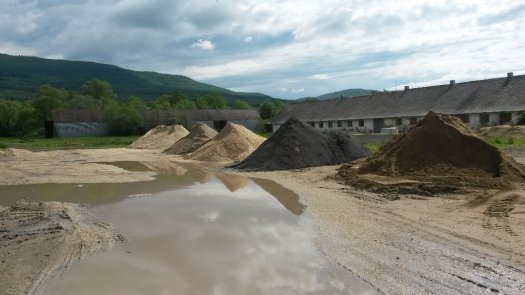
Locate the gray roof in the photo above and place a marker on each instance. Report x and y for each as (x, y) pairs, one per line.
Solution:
(203, 115)
(492, 95)
(73, 116)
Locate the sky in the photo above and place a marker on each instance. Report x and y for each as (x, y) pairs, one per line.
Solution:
(286, 49)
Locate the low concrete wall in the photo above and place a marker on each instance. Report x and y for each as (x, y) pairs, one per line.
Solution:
(379, 138)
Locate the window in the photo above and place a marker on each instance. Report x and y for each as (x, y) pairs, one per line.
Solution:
(412, 121)
(312, 124)
(399, 121)
(320, 124)
(329, 124)
(361, 123)
(484, 118)
(505, 117)
(349, 123)
(339, 124)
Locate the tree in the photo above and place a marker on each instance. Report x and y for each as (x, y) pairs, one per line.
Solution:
(101, 92)
(210, 101)
(267, 110)
(135, 103)
(48, 99)
(10, 111)
(123, 120)
(240, 105)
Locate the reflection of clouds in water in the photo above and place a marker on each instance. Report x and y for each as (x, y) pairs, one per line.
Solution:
(204, 241)
(211, 216)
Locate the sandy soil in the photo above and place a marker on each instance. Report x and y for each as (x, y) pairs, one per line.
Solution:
(73, 166)
(416, 245)
(403, 244)
(39, 241)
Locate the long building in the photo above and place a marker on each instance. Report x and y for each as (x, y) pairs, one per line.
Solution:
(478, 103)
(74, 123)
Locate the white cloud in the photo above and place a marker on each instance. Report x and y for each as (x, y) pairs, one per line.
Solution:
(269, 45)
(203, 44)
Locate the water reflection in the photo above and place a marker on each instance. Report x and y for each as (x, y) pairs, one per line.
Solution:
(172, 175)
(193, 232)
(205, 239)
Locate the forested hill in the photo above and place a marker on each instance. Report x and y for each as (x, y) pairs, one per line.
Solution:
(345, 93)
(20, 77)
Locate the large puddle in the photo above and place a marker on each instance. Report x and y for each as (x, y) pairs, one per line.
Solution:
(194, 232)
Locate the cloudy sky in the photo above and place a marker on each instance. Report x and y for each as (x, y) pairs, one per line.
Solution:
(287, 49)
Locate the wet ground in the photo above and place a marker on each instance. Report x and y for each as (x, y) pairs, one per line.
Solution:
(194, 232)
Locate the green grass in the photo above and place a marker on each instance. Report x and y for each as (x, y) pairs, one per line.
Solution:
(265, 134)
(374, 147)
(506, 142)
(40, 144)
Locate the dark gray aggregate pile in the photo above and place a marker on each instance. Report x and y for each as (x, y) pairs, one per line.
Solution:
(298, 145)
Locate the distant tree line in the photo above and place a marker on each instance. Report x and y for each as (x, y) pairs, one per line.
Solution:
(124, 115)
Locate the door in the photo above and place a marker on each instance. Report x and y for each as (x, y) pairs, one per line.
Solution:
(378, 124)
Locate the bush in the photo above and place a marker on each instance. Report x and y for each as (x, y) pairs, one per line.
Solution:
(521, 118)
(510, 140)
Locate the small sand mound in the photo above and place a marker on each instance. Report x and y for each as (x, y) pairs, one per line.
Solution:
(439, 150)
(233, 144)
(160, 137)
(198, 136)
(298, 145)
(503, 131)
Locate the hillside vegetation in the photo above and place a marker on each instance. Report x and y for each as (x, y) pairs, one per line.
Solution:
(345, 93)
(21, 76)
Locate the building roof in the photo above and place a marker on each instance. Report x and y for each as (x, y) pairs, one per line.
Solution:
(491, 95)
(202, 115)
(73, 116)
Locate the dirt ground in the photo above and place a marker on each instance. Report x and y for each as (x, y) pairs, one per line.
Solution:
(402, 244)
(40, 241)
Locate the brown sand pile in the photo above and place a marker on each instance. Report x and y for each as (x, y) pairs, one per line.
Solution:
(39, 241)
(199, 135)
(160, 137)
(503, 131)
(233, 144)
(439, 150)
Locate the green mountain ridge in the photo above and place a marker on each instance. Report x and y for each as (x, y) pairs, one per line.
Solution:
(20, 77)
(345, 93)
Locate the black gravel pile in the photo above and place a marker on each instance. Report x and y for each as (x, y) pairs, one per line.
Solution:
(298, 145)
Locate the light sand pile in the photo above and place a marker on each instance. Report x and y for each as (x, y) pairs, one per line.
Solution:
(440, 151)
(160, 137)
(233, 144)
(503, 131)
(199, 135)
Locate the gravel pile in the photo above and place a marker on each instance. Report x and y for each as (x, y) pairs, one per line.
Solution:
(160, 137)
(442, 150)
(233, 144)
(298, 145)
(199, 135)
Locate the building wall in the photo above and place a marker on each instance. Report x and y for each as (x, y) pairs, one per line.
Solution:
(80, 129)
(474, 123)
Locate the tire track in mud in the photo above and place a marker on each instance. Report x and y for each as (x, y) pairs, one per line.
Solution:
(432, 258)
(40, 241)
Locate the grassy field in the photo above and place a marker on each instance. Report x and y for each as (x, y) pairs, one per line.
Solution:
(40, 144)
(506, 142)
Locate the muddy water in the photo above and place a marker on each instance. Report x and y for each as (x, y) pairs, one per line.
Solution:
(193, 232)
